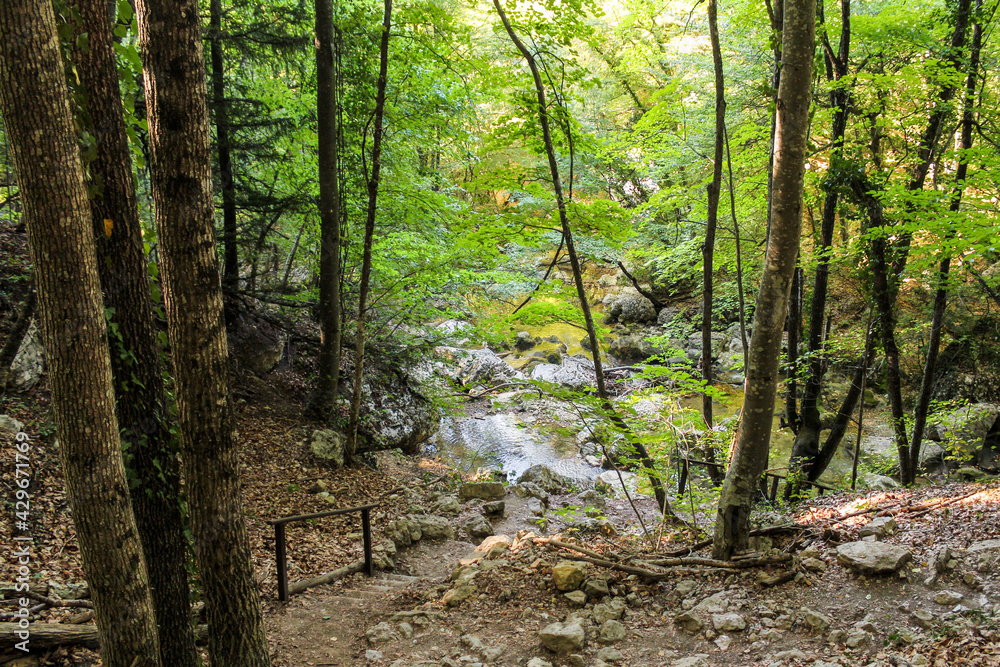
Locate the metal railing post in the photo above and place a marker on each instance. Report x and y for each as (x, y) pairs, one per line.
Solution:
(279, 557)
(366, 529)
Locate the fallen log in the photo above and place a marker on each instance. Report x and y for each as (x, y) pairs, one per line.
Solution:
(44, 636)
(327, 578)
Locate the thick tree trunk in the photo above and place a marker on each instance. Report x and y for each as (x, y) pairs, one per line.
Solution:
(751, 453)
(581, 291)
(366, 256)
(324, 398)
(711, 222)
(150, 451)
(231, 263)
(941, 295)
(35, 108)
(173, 64)
(805, 450)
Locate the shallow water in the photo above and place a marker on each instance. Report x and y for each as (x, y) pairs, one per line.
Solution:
(504, 442)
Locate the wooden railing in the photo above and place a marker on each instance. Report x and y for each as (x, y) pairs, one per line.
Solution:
(279, 541)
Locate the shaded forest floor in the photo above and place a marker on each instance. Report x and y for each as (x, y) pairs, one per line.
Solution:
(826, 616)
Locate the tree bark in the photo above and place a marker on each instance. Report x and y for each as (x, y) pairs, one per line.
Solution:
(581, 291)
(150, 452)
(366, 256)
(941, 294)
(323, 401)
(805, 450)
(753, 438)
(231, 263)
(34, 102)
(173, 65)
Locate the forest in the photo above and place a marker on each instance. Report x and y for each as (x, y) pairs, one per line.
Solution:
(727, 245)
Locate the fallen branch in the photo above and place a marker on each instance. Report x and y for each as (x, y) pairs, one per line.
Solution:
(327, 578)
(596, 559)
(49, 602)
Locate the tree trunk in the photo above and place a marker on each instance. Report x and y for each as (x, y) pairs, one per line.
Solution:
(750, 456)
(793, 325)
(323, 401)
(711, 221)
(289, 261)
(35, 108)
(932, 132)
(173, 65)
(231, 263)
(941, 295)
(581, 291)
(150, 450)
(805, 450)
(366, 257)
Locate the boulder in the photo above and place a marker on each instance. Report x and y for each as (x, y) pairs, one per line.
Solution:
(524, 341)
(816, 621)
(547, 479)
(395, 414)
(966, 428)
(328, 445)
(435, 527)
(628, 307)
(563, 638)
(29, 364)
(576, 373)
(596, 588)
(611, 631)
(482, 490)
(873, 557)
(568, 575)
(478, 527)
(728, 622)
(483, 366)
(608, 482)
(880, 527)
(10, 426)
(495, 508)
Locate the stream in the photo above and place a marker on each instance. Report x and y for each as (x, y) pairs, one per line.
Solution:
(508, 441)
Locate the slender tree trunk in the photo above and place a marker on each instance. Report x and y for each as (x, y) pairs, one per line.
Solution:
(806, 447)
(366, 257)
(290, 260)
(151, 453)
(739, 256)
(775, 13)
(323, 401)
(932, 132)
(181, 167)
(602, 392)
(793, 326)
(231, 263)
(35, 108)
(711, 222)
(751, 453)
(941, 295)
(838, 429)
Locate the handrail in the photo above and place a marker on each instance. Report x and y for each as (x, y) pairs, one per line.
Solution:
(279, 541)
